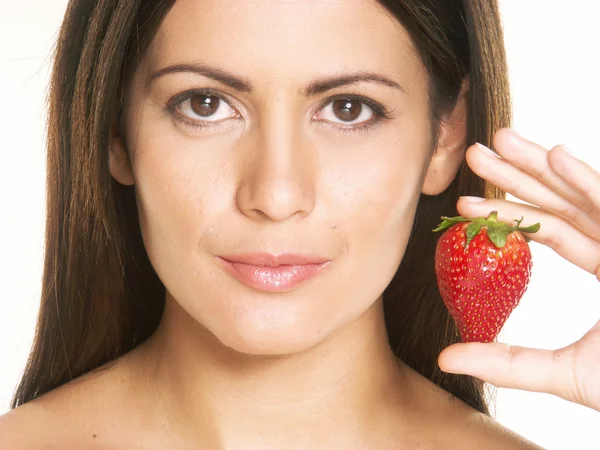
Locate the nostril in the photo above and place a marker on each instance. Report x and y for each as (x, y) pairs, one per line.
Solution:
(274, 201)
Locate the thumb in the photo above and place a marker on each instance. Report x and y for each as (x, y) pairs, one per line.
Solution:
(511, 366)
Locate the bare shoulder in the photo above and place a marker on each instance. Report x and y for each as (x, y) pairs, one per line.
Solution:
(468, 428)
(452, 424)
(471, 429)
(34, 425)
(489, 434)
(13, 430)
(72, 416)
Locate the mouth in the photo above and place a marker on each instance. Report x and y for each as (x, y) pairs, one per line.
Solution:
(266, 272)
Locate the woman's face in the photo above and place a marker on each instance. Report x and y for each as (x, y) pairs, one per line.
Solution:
(254, 127)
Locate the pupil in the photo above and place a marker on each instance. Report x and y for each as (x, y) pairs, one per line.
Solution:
(204, 105)
(347, 110)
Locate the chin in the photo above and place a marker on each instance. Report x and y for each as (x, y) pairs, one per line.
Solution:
(278, 347)
(278, 329)
(276, 325)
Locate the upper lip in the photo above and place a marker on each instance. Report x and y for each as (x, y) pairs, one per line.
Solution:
(272, 260)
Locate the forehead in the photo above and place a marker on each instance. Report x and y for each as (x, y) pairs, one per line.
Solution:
(285, 38)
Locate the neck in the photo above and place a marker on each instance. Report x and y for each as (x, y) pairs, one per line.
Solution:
(338, 391)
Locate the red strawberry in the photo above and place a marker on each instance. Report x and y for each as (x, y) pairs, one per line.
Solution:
(483, 267)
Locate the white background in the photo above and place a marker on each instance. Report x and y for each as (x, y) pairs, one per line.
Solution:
(553, 50)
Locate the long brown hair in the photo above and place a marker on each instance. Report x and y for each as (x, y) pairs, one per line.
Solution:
(101, 297)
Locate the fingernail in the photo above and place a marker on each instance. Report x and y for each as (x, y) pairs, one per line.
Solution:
(487, 151)
(473, 199)
(514, 133)
(566, 149)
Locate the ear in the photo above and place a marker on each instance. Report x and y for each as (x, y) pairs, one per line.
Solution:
(450, 148)
(119, 163)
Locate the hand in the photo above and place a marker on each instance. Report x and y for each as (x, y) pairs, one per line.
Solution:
(567, 194)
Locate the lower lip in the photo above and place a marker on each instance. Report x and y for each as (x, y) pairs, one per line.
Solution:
(272, 279)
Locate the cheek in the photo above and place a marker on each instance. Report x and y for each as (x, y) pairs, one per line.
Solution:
(373, 209)
(377, 202)
(181, 193)
(166, 208)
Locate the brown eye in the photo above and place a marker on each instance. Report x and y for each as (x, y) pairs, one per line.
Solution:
(347, 109)
(204, 105)
(205, 108)
(348, 112)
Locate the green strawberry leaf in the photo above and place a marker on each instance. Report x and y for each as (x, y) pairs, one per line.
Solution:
(530, 229)
(472, 230)
(449, 221)
(497, 235)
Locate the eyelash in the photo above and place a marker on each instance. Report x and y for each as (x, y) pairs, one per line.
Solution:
(380, 113)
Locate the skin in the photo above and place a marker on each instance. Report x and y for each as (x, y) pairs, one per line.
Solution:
(279, 175)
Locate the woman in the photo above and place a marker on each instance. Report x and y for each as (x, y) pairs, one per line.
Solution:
(239, 249)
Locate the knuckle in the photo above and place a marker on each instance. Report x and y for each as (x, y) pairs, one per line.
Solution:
(569, 211)
(553, 239)
(592, 191)
(585, 206)
(542, 173)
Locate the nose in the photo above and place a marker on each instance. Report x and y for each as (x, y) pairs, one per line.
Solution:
(278, 173)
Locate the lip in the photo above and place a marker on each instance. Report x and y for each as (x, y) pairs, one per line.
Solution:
(266, 272)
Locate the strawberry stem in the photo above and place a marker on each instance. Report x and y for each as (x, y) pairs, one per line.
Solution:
(493, 217)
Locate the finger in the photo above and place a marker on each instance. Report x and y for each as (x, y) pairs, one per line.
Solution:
(510, 366)
(532, 159)
(578, 175)
(555, 232)
(524, 186)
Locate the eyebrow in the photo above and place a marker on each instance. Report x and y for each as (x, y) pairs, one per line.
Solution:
(243, 85)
